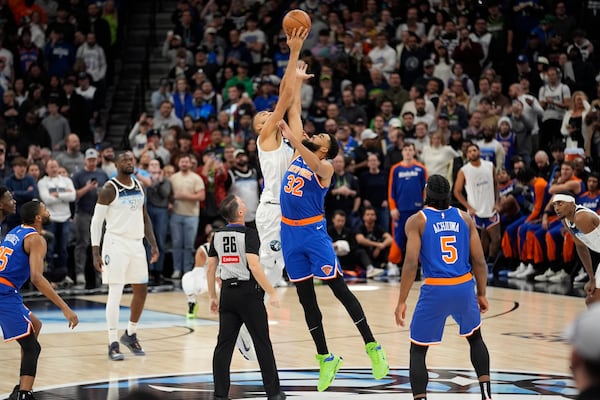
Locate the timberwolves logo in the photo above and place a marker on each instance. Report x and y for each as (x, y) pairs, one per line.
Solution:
(275, 245)
(301, 384)
(106, 259)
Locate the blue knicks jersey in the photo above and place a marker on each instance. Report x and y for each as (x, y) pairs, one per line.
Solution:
(14, 262)
(302, 195)
(445, 241)
(590, 201)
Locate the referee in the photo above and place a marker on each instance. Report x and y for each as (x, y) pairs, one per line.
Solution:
(234, 249)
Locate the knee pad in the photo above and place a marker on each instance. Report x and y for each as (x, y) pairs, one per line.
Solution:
(31, 352)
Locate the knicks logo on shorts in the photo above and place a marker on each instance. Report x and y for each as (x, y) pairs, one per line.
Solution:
(275, 245)
(327, 269)
(106, 259)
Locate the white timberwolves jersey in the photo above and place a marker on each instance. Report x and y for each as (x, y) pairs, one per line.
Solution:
(125, 216)
(479, 185)
(273, 165)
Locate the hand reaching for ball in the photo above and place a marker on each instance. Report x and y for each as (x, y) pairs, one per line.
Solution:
(301, 71)
(296, 39)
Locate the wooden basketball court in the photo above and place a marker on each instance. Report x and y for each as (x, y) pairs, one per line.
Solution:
(522, 330)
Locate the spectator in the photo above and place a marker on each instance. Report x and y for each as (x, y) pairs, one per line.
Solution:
(165, 119)
(383, 56)
(349, 253)
(71, 158)
(73, 108)
(94, 23)
(59, 54)
(572, 121)
(343, 194)
(107, 158)
(188, 191)
(182, 99)
(163, 93)
(95, 59)
(56, 125)
(373, 186)
(87, 183)
(554, 97)
(23, 187)
(244, 182)
(158, 194)
(375, 241)
(171, 47)
(57, 192)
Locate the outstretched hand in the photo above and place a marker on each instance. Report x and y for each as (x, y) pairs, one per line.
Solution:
(301, 71)
(286, 131)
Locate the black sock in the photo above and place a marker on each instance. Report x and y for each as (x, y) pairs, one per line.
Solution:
(318, 335)
(486, 390)
(191, 307)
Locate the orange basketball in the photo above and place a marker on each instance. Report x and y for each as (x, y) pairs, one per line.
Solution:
(296, 19)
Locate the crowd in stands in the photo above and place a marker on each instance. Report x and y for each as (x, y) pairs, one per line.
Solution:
(406, 87)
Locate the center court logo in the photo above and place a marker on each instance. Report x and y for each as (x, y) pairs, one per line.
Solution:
(301, 384)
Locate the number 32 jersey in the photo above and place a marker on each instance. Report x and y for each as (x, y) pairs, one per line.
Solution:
(445, 243)
(302, 195)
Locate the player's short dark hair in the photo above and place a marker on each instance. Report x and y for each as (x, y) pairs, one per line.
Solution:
(525, 175)
(438, 192)
(3, 190)
(229, 208)
(334, 147)
(339, 212)
(29, 211)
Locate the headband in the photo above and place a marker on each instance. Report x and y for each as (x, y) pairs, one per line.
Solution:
(563, 197)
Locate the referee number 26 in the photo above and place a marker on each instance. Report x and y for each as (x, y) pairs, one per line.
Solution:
(449, 252)
(4, 253)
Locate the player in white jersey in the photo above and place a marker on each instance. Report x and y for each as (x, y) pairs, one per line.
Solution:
(584, 226)
(121, 202)
(274, 156)
(478, 179)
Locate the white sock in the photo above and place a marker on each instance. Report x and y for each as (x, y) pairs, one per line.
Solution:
(113, 304)
(131, 328)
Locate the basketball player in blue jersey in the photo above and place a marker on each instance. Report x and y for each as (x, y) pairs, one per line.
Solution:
(274, 156)
(22, 255)
(123, 259)
(308, 250)
(444, 239)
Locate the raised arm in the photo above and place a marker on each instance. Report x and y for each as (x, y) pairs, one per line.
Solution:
(295, 110)
(286, 88)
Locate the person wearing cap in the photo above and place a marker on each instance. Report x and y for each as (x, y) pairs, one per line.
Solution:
(446, 241)
(154, 149)
(369, 143)
(170, 47)
(583, 336)
(584, 226)
(87, 182)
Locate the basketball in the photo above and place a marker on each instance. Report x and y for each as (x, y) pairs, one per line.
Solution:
(296, 19)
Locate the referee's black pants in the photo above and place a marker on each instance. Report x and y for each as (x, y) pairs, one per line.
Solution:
(242, 302)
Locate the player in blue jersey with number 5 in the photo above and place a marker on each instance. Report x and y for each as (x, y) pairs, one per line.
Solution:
(308, 250)
(446, 241)
(22, 254)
